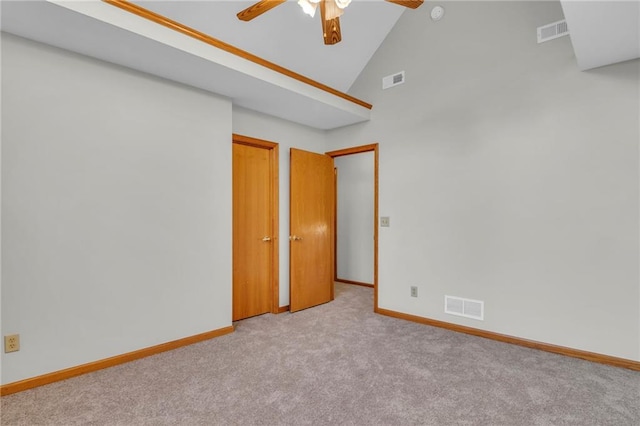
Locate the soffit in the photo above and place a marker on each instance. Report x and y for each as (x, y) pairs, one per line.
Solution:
(105, 32)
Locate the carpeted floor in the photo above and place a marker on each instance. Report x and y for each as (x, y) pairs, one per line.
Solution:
(339, 364)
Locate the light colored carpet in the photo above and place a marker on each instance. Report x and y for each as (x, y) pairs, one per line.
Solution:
(339, 364)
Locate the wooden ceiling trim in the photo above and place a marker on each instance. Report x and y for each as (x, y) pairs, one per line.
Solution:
(181, 28)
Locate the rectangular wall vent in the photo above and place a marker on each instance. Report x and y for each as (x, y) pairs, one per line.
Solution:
(468, 308)
(552, 31)
(393, 80)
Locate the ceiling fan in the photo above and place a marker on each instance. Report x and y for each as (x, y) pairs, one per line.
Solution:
(330, 11)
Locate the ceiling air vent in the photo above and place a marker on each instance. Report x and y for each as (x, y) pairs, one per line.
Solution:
(393, 80)
(464, 307)
(552, 31)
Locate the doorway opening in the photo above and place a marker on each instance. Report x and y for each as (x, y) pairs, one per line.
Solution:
(343, 245)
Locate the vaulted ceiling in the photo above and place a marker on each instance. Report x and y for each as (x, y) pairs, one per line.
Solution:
(288, 37)
(601, 32)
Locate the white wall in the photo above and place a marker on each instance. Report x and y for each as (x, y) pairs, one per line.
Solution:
(355, 217)
(288, 135)
(509, 176)
(116, 198)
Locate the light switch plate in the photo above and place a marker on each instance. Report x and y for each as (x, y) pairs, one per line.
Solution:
(384, 221)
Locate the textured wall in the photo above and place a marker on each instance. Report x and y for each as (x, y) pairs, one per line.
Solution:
(509, 175)
(116, 213)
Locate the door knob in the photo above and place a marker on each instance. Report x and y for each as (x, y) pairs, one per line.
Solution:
(294, 238)
(266, 239)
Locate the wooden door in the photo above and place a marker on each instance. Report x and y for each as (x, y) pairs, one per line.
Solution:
(252, 231)
(311, 229)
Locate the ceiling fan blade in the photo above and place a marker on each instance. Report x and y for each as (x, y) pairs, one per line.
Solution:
(412, 4)
(330, 28)
(258, 9)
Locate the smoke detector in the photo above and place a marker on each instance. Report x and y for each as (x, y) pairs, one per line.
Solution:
(437, 13)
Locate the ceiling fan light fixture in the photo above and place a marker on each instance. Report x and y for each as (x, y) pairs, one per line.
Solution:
(308, 6)
(332, 10)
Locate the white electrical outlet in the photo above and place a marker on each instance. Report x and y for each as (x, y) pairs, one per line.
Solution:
(414, 291)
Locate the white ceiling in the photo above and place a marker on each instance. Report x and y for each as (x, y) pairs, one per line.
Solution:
(602, 32)
(290, 38)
